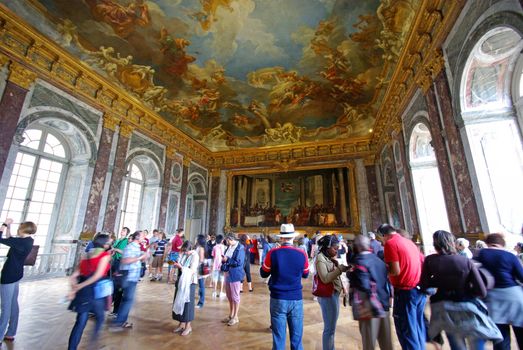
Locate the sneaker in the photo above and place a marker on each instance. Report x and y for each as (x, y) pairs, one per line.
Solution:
(233, 321)
(159, 278)
(112, 315)
(226, 319)
(199, 306)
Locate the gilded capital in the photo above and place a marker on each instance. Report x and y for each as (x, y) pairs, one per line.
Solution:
(4, 60)
(186, 161)
(170, 152)
(430, 70)
(215, 172)
(126, 130)
(111, 121)
(21, 76)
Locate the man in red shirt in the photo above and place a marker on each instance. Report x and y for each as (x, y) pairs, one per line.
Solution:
(404, 262)
(174, 253)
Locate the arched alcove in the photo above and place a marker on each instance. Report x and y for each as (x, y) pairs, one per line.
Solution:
(490, 88)
(428, 192)
(141, 191)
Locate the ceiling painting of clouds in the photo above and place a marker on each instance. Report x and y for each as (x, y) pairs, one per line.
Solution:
(244, 73)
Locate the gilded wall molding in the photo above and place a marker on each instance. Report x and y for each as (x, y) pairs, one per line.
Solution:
(186, 161)
(420, 62)
(126, 130)
(22, 44)
(170, 152)
(21, 76)
(110, 121)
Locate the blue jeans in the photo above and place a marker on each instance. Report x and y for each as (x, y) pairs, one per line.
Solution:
(285, 312)
(10, 310)
(408, 318)
(97, 307)
(126, 304)
(330, 309)
(201, 291)
(458, 343)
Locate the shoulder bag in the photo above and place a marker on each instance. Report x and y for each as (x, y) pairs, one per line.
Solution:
(365, 306)
(320, 289)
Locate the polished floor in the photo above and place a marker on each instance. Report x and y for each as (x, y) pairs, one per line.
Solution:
(45, 322)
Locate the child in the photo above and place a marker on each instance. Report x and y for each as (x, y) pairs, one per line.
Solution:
(217, 275)
(158, 254)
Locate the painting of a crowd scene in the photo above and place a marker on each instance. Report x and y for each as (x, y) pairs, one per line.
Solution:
(318, 198)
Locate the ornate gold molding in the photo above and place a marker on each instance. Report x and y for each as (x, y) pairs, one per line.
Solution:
(4, 60)
(126, 130)
(420, 62)
(430, 70)
(24, 45)
(21, 76)
(290, 157)
(110, 121)
(215, 172)
(186, 161)
(170, 152)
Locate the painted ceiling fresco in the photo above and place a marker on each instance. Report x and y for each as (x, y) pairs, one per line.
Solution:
(244, 73)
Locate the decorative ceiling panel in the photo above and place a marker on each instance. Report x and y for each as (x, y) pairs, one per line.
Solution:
(238, 74)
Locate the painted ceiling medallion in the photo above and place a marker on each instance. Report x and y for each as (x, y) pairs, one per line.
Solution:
(244, 73)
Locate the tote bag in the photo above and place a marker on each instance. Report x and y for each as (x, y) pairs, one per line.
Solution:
(320, 289)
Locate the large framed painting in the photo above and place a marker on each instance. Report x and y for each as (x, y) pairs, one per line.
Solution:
(306, 198)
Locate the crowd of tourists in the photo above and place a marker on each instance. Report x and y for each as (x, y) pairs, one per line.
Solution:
(475, 292)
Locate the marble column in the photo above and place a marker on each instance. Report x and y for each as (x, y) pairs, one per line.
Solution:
(214, 202)
(228, 203)
(363, 195)
(374, 201)
(343, 200)
(458, 162)
(353, 199)
(445, 173)
(166, 184)
(408, 181)
(183, 192)
(100, 171)
(18, 84)
(115, 187)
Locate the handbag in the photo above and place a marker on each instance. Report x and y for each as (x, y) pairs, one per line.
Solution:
(30, 259)
(320, 289)
(365, 306)
(204, 269)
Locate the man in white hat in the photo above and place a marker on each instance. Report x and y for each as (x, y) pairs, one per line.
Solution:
(286, 266)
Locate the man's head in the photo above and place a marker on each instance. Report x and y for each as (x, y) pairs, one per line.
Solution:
(136, 236)
(179, 232)
(361, 244)
(386, 231)
(287, 233)
(155, 232)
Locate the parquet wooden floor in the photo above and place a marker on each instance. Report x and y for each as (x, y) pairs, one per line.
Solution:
(45, 322)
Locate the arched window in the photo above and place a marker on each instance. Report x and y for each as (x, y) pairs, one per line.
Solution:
(33, 190)
(490, 84)
(132, 195)
(428, 193)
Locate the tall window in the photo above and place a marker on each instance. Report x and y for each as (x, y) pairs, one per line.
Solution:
(491, 128)
(432, 212)
(133, 193)
(32, 194)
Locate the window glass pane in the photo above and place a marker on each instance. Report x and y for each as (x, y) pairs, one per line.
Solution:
(53, 146)
(32, 138)
(136, 173)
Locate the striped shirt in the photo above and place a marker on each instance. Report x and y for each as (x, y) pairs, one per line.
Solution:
(132, 251)
(160, 247)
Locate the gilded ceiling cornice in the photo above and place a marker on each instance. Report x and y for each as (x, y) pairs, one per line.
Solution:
(23, 45)
(126, 130)
(290, 156)
(21, 76)
(170, 152)
(420, 62)
(110, 121)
